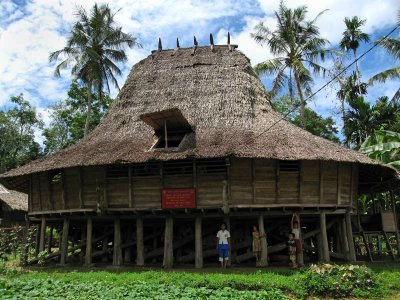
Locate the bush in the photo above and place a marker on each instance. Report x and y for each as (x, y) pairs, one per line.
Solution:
(331, 280)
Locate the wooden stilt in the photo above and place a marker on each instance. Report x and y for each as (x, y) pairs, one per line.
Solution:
(264, 246)
(324, 238)
(89, 237)
(168, 243)
(319, 248)
(117, 254)
(128, 240)
(198, 243)
(300, 257)
(37, 240)
(139, 242)
(25, 254)
(349, 231)
(64, 242)
(50, 242)
(42, 241)
(343, 238)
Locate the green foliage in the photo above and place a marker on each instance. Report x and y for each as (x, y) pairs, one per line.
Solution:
(314, 123)
(17, 126)
(340, 281)
(384, 146)
(69, 117)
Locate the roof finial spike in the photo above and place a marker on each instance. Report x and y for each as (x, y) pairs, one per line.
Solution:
(211, 42)
(177, 43)
(195, 41)
(159, 44)
(229, 38)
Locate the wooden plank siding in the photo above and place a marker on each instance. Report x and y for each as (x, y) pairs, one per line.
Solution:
(251, 182)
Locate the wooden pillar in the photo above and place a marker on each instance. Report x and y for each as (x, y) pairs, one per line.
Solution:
(198, 243)
(50, 242)
(319, 247)
(225, 204)
(25, 254)
(37, 241)
(42, 241)
(324, 237)
(89, 237)
(349, 231)
(139, 242)
(168, 243)
(264, 246)
(343, 239)
(64, 242)
(300, 256)
(117, 253)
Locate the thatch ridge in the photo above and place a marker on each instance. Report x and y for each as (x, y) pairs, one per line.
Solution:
(14, 200)
(222, 99)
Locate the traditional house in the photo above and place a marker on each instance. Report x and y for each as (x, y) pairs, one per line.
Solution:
(192, 140)
(13, 207)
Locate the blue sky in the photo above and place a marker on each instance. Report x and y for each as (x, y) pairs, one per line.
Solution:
(31, 29)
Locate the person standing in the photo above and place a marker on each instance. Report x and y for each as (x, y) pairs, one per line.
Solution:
(257, 244)
(223, 237)
(295, 224)
(292, 250)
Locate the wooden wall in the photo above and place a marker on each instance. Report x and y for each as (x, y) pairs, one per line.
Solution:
(250, 183)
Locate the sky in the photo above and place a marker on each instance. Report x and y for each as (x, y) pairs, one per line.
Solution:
(31, 29)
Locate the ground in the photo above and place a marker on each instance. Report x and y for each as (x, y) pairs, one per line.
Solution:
(211, 283)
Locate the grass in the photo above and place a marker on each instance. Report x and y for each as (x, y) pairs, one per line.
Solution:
(125, 283)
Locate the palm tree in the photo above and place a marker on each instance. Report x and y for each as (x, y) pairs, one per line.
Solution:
(95, 45)
(297, 46)
(391, 45)
(352, 37)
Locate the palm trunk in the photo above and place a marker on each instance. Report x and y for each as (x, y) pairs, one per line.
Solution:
(357, 71)
(89, 109)
(302, 102)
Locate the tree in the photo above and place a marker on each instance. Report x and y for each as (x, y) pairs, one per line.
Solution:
(17, 133)
(95, 45)
(392, 46)
(352, 37)
(314, 123)
(297, 47)
(69, 116)
(362, 119)
(383, 145)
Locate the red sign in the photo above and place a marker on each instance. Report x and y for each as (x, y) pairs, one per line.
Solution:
(179, 198)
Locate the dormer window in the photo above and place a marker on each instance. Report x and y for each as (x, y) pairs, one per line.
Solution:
(170, 128)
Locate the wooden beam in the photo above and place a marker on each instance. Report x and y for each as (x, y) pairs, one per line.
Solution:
(264, 246)
(349, 231)
(130, 192)
(89, 238)
(198, 243)
(80, 194)
(64, 242)
(139, 242)
(343, 238)
(42, 240)
(324, 237)
(117, 253)
(168, 243)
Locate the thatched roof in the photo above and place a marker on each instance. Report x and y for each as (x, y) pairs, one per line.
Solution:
(13, 200)
(219, 95)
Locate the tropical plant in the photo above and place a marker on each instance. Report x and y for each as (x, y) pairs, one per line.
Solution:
(297, 47)
(352, 37)
(383, 145)
(95, 45)
(392, 46)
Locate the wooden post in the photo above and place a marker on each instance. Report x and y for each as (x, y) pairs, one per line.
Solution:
(264, 246)
(396, 221)
(25, 254)
(198, 243)
(343, 239)
(168, 243)
(349, 231)
(300, 256)
(50, 242)
(324, 237)
(319, 247)
(42, 240)
(37, 241)
(225, 204)
(117, 254)
(89, 236)
(64, 242)
(139, 242)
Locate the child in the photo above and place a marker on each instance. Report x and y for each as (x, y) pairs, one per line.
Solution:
(223, 237)
(257, 244)
(292, 250)
(296, 232)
